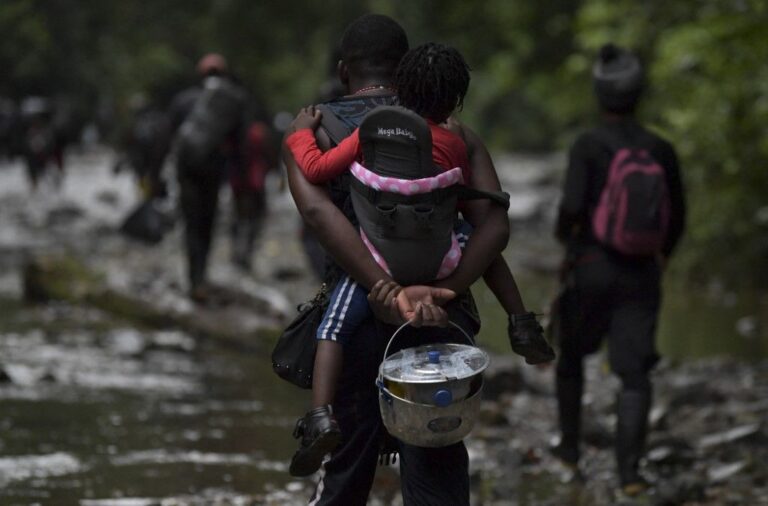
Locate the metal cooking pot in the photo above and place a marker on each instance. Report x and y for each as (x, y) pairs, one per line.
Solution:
(430, 395)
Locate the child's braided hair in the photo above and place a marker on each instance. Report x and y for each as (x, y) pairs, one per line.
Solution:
(432, 80)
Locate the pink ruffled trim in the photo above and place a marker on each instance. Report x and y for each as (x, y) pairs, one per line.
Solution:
(406, 186)
(451, 259)
(376, 255)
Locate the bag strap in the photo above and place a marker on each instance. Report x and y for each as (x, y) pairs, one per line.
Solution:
(435, 196)
(336, 129)
(375, 196)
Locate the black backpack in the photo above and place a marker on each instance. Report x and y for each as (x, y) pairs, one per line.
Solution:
(215, 113)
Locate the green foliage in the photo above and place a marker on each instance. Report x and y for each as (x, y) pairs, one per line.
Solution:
(530, 86)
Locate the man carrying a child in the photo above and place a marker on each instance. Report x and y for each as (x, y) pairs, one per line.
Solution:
(372, 48)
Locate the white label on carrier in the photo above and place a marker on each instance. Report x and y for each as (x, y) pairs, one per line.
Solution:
(398, 132)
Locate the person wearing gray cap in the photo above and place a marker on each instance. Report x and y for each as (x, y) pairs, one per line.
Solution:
(622, 214)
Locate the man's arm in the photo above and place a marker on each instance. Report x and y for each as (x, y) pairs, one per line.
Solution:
(572, 205)
(490, 222)
(677, 200)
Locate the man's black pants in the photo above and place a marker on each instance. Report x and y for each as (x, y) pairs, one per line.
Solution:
(614, 298)
(199, 195)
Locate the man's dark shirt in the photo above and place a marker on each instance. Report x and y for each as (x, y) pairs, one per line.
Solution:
(351, 110)
(588, 164)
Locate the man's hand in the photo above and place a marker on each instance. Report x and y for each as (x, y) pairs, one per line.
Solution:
(426, 302)
(419, 304)
(308, 117)
(383, 299)
(428, 315)
(428, 294)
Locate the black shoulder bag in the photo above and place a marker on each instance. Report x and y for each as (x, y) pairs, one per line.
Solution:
(293, 358)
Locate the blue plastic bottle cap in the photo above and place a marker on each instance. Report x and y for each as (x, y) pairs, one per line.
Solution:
(434, 356)
(442, 398)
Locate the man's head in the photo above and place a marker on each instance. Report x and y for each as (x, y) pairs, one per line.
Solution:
(432, 80)
(618, 79)
(371, 48)
(211, 64)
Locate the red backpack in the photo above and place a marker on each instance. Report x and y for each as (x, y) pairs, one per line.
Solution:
(632, 216)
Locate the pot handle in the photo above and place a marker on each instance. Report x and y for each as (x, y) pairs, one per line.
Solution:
(391, 339)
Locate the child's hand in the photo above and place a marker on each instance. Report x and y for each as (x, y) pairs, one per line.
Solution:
(308, 117)
(453, 125)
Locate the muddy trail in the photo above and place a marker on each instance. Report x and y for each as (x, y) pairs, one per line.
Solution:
(98, 409)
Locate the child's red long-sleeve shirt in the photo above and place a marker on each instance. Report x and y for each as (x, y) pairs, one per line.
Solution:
(448, 151)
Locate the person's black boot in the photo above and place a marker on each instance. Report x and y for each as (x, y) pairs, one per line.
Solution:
(631, 427)
(526, 337)
(569, 415)
(319, 434)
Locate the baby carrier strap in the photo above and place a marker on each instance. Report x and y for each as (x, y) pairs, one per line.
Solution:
(466, 193)
(336, 129)
(436, 196)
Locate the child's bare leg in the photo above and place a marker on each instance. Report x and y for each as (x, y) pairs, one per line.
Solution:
(525, 334)
(499, 279)
(328, 362)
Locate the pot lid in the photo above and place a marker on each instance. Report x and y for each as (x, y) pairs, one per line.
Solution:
(434, 363)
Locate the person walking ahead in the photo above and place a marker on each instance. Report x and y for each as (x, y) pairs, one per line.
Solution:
(208, 122)
(620, 218)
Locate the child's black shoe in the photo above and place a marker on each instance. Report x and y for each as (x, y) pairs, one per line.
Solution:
(319, 433)
(527, 339)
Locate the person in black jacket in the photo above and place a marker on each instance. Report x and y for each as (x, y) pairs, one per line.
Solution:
(611, 295)
(200, 172)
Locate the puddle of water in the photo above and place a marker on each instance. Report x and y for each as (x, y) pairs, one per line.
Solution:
(129, 415)
(24, 467)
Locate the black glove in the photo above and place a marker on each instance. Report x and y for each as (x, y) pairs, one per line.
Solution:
(526, 337)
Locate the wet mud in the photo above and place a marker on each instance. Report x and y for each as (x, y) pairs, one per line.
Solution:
(102, 409)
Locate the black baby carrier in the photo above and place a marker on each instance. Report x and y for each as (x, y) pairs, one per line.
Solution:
(405, 204)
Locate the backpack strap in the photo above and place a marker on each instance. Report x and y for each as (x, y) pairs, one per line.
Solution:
(335, 128)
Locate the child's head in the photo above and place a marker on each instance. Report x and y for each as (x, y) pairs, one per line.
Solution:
(432, 80)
